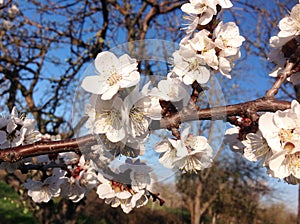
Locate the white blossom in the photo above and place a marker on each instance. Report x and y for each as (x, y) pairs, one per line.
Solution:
(170, 90)
(193, 152)
(119, 194)
(205, 48)
(13, 11)
(114, 74)
(232, 137)
(44, 191)
(189, 66)
(290, 25)
(190, 153)
(17, 130)
(168, 153)
(192, 25)
(105, 117)
(228, 42)
(153, 109)
(282, 133)
(136, 117)
(286, 162)
(206, 9)
(289, 28)
(256, 148)
(139, 174)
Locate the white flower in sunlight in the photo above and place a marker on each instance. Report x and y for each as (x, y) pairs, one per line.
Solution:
(31, 135)
(256, 148)
(153, 108)
(228, 42)
(139, 174)
(168, 153)
(290, 25)
(13, 11)
(19, 130)
(111, 189)
(204, 8)
(119, 194)
(278, 57)
(46, 190)
(228, 39)
(114, 74)
(170, 90)
(253, 148)
(136, 117)
(105, 117)
(193, 152)
(189, 66)
(3, 132)
(282, 133)
(281, 127)
(286, 162)
(226, 64)
(205, 48)
(193, 22)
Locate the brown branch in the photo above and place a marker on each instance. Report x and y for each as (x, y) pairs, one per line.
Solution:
(220, 113)
(44, 147)
(77, 145)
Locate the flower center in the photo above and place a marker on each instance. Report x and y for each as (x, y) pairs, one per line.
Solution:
(286, 135)
(110, 116)
(136, 116)
(114, 78)
(193, 65)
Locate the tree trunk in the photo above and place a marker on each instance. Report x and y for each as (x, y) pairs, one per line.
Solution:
(196, 212)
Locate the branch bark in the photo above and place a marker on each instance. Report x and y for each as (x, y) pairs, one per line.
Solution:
(76, 145)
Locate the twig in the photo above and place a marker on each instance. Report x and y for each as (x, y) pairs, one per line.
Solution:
(280, 79)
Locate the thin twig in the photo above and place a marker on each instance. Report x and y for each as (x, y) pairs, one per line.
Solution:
(280, 79)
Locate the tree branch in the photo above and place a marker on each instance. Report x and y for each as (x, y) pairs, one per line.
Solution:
(76, 145)
(220, 113)
(44, 147)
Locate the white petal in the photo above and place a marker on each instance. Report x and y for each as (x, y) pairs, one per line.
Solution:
(106, 62)
(92, 84)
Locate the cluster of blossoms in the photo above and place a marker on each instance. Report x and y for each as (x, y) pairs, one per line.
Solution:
(276, 143)
(276, 140)
(73, 176)
(208, 49)
(283, 45)
(122, 122)
(16, 130)
(120, 115)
